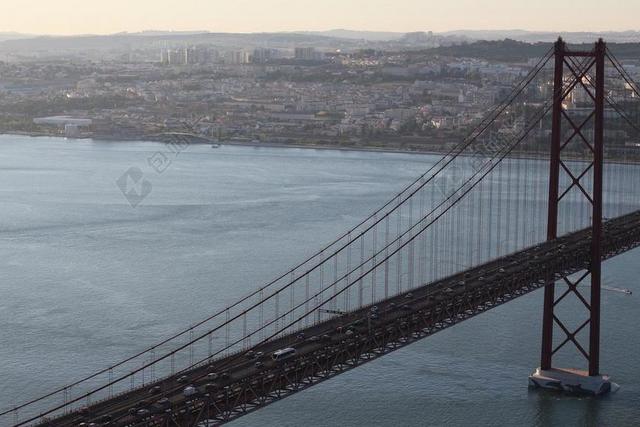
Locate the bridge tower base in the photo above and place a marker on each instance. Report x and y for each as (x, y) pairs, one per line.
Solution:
(572, 381)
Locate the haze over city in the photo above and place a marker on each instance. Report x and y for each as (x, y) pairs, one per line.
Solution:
(66, 17)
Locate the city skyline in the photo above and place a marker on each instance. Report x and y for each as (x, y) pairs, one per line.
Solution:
(72, 17)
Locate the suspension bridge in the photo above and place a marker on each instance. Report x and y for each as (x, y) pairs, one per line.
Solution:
(538, 195)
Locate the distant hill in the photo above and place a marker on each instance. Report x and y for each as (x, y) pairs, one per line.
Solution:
(358, 35)
(13, 36)
(491, 35)
(516, 51)
(382, 36)
(548, 36)
(158, 38)
(514, 45)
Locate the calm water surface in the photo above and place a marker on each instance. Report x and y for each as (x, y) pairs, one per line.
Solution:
(87, 279)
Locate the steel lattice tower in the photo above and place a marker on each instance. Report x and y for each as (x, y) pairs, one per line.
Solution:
(563, 63)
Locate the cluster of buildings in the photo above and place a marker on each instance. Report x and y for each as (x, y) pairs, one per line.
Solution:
(307, 54)
(188, 56)
(204, 55)
(302, 96)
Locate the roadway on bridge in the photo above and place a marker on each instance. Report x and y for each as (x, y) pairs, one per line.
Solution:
(229, 387)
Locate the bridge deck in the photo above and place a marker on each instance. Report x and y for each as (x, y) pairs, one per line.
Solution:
(347, 341)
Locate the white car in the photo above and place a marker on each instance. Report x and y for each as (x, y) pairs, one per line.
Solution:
(189, 391)
(283, 353)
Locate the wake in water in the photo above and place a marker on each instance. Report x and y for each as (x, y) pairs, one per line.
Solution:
(614, 289)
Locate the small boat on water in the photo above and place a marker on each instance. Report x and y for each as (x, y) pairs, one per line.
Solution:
(621, 290)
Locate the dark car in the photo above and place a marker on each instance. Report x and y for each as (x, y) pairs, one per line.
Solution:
(161, 405)
(143, 413)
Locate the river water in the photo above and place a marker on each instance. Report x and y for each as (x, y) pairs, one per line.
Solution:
(87, 278)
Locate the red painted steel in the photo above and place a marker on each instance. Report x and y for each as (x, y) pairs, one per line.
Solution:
(564, 63)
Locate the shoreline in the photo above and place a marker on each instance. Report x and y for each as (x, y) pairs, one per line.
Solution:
(331, 148)
(238, 144)
(527, 156)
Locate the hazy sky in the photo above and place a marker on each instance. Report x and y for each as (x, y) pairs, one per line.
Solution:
(110, 16)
